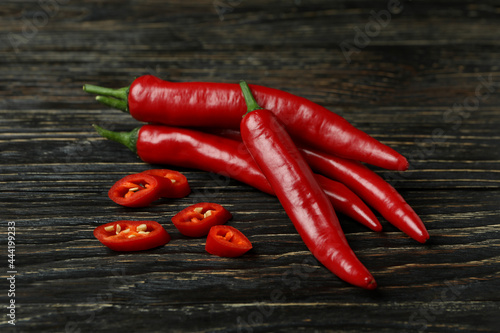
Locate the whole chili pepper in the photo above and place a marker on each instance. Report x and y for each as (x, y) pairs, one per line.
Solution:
(158, 144)
(204, 104)
(299, 193)
(372, 189)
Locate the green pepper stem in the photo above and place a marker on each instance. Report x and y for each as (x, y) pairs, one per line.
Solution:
(249, 99)
(113, 102)
(121, 94)
(129, 139)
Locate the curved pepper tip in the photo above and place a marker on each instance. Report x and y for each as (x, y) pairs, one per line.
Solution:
(421, 234)
(424, 237)
(372, 284)
(376, 226)
(372, 224)
(367, 282)
(402, 164)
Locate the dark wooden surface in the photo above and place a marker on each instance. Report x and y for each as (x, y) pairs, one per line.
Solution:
(426, 82)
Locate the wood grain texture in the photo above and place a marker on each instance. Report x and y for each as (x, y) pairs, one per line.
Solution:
(426, 83)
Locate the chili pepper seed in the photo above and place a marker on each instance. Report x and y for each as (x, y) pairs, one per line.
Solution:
(110, 228)
(142, 227)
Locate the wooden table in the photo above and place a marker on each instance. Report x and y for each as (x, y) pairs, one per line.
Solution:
(421, 76)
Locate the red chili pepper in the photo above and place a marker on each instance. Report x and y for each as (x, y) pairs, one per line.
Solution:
(196, 220)
(176, 186)
(372, 189)
(150, 99)
(188, 148)
(132, 235)
(299, 193)
(137, 190)
(227, 241)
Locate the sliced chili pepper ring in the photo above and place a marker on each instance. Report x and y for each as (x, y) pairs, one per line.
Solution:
(136, 190)
(227, 241)
(176, 184)
(132, 235)
(196, 220)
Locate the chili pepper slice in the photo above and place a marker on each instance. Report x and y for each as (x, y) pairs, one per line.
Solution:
(299, 193)
(158, 144)
(176, 186)
(227, 241)
(136, 190)
(205, 104)
(132, 235)
(196, 220)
